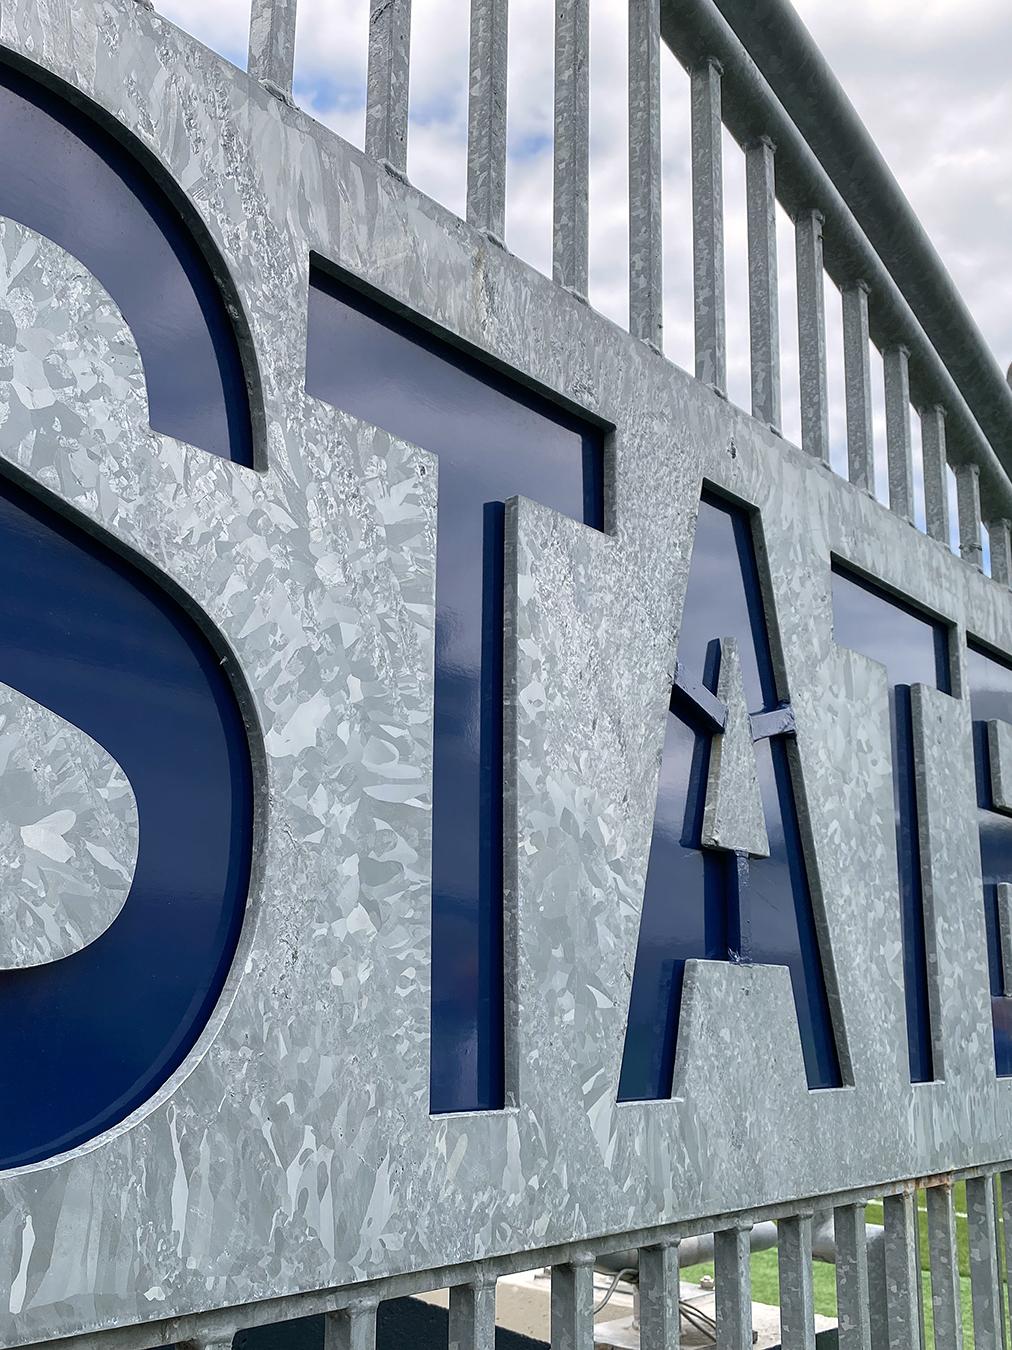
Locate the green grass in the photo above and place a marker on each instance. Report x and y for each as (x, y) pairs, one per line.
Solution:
(766, 1282)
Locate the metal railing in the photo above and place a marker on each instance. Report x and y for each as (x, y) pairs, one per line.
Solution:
(895, 293)
(879, 1286)
(802, 80)
(875, 309)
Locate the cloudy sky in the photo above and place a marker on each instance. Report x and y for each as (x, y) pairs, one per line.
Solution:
(929, 77)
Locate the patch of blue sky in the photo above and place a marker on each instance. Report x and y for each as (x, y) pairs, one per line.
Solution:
(237, 55)
(531, 145)
(445, 110)
(325, 94)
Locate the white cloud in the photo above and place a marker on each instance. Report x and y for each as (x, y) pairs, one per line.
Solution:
(930, 80)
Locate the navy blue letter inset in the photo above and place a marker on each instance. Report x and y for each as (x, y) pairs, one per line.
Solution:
(707, 902)
(495, 440)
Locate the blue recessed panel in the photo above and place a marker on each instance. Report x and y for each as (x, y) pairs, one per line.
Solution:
(698, 901)
(914, 648)
(495, 439)
(989, 679)
(65, 177)
(85, 1040)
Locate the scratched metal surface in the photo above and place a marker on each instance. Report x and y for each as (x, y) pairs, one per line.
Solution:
(733, 816)
(294, 1149)
(68, 835)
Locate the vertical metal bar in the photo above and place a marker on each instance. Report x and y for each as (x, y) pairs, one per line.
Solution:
(999, 533)
(983, 1264)
(763, 290)
(898, 452)
(572, 144)
(919, 1263)
(573, 1306)
(272, 45)
(944, 1259)
(351, 1328)
(386, 104)
(968, 513)
(812, 334)
(857, 377)
(646, 293)
(660, 1327)
(1002, 1274)
(472, 1316)
(903, 1284)
(708, 226)
(486, 118)
(936, 487)
(878, 1302)
(1004, 1184)
(732, 1281)
(852, 1297)
(797, 1300)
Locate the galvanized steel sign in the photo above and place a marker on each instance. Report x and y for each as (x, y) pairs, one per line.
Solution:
(464, 785)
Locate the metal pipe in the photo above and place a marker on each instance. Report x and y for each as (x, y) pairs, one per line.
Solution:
(858, 1251)
(763, 286)
(898, 448)
(472, 1316)
(969, 514)
(708, 224)
(386, 107)
(646, 242)
(936, 486)
(812, 334)
(732, 1283)
(572, 145)
(271, 57)
(486, 118)
(692, 1251)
